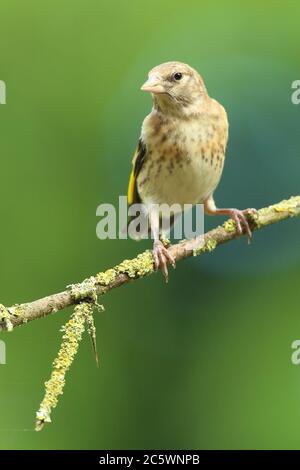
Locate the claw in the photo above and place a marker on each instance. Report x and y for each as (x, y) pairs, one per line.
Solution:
(162, 257)
(240, 219)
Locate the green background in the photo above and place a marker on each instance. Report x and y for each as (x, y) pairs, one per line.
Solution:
(204, 362)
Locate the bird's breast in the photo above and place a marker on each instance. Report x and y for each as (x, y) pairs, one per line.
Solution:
(184, 160)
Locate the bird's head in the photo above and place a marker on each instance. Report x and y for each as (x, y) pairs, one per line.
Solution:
(176, 88)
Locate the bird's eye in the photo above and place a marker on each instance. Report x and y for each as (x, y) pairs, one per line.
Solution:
(177, 76)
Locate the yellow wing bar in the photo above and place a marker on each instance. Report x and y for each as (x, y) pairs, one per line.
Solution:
(131, 185)
(137, 162)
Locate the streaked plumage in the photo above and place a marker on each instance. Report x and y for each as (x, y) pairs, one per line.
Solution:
(181, 150)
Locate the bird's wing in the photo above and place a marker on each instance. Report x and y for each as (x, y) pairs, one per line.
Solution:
(137, 163)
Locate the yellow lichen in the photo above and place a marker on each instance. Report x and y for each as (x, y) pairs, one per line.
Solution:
(289, 206)
(16, 310)
(259, 220)
(106, 277)
(137, 267)
(286, 208)
(229, 226)
(206, 247)
(73, 331)
(165, 241)
(5, 317)
(210, 245)
(84, 290)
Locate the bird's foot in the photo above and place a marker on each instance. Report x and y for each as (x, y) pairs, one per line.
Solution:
(241, 220)
(162, 257)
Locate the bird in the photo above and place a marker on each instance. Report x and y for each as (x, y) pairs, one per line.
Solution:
(180, 154)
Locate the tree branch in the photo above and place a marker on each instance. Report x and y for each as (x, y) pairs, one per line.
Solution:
(141, 266)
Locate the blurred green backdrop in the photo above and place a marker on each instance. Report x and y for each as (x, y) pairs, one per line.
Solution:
(205, 361)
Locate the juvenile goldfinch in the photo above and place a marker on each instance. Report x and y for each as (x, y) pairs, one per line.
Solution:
(181, 151)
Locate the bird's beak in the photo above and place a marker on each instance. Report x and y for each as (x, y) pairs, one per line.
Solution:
(153, 85)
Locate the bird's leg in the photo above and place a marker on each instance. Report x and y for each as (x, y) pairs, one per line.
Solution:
(238, 216)
(160, 253)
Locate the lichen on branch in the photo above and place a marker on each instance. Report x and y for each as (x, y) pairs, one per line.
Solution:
(84, 294)
(73, 331)
(142, 266)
